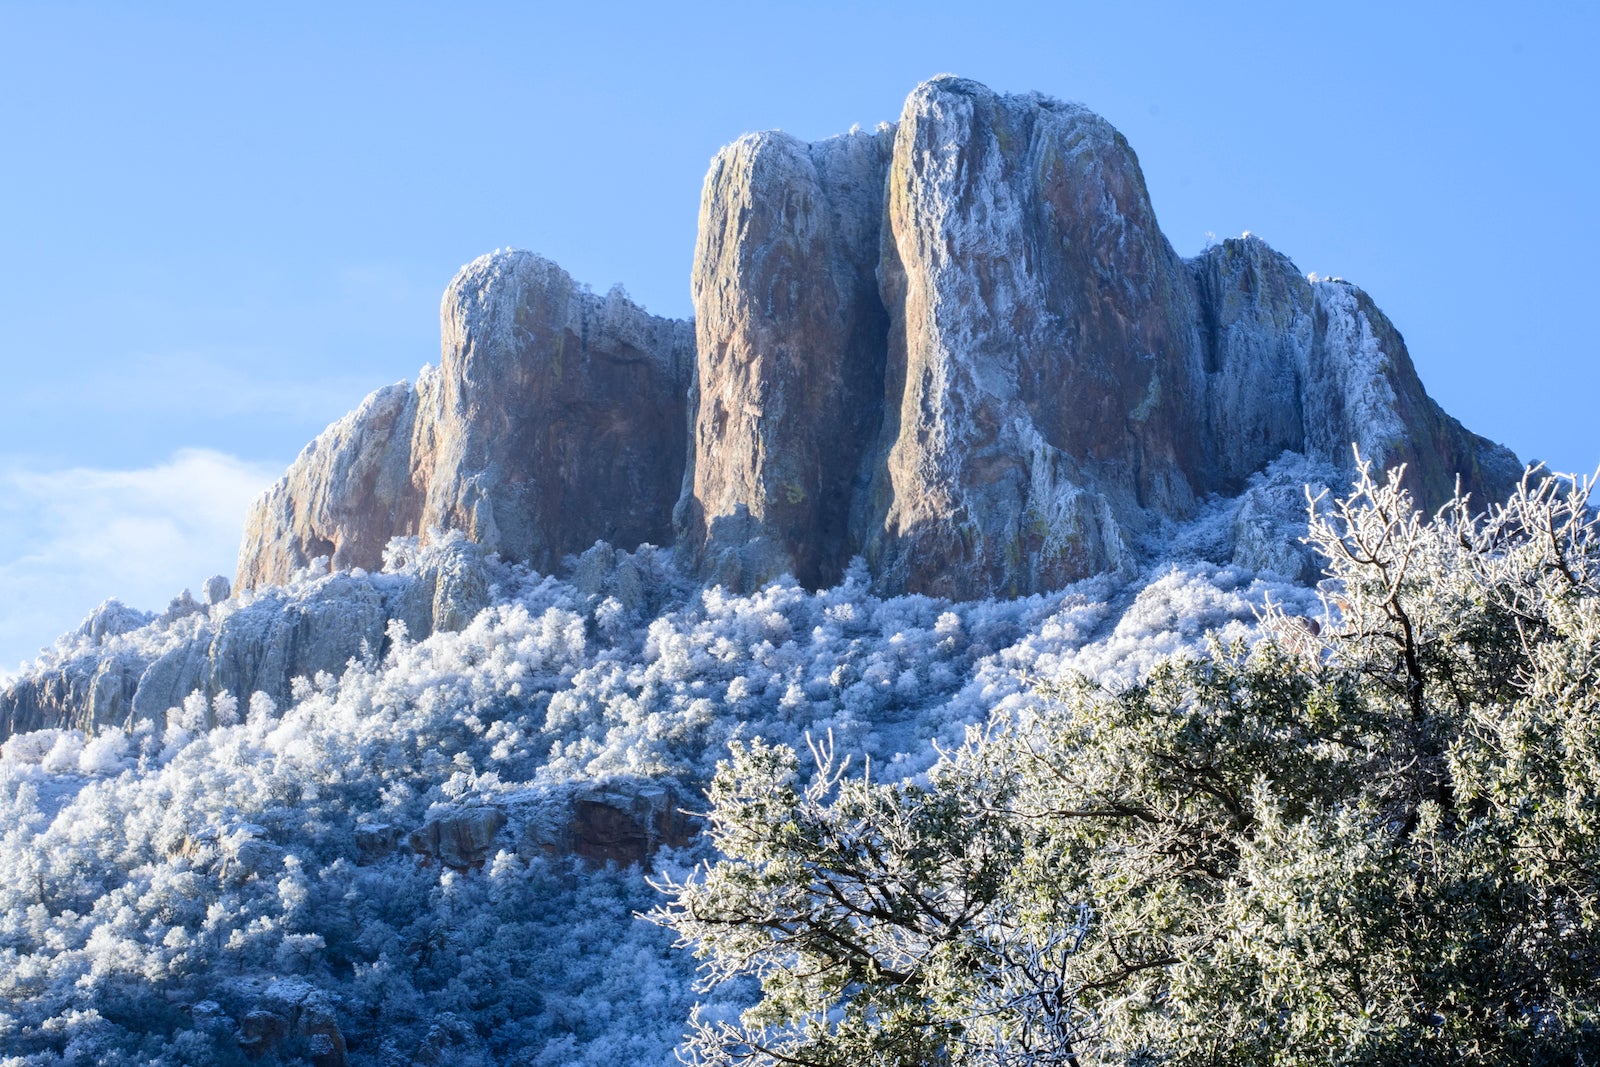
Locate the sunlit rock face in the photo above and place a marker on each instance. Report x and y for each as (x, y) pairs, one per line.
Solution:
(1040, 349)
(347, 494)
(959, 346)
(791, 345)
(556, 418)
(560, 417)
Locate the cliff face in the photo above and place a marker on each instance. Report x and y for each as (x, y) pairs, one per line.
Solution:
(556, 418)
(959, 346)
(790, 339)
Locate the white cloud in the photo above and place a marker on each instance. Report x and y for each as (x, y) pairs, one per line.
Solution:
(74, 537)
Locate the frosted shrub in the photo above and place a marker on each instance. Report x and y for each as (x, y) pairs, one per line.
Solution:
(64, 754)
(1374, 840)
(30, 747)
(105, 754)
(225, 709)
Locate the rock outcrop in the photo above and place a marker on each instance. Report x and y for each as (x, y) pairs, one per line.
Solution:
(123, 666)
(958, 346)
(790, 338)
(347, 494)
(1040, 351)
(556, 418)
(622, 821)
(461, 839)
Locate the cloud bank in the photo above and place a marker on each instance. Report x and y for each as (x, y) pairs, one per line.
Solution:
(70, 538)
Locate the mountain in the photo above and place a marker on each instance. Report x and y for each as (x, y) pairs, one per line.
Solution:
(958, 346)
(951, 416)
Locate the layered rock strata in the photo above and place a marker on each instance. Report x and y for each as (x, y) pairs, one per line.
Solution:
(959, 346)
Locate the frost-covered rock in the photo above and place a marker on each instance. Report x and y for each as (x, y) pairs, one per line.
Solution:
(217, 589)
(347, 494)
(111, 619)
(555, 418)
(560, 416)
(790, 336)
(1039, 350)
(1312, 366)
(959, 346)
(122, 666)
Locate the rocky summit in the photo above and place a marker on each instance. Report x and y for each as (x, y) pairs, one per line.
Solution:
(958, 346)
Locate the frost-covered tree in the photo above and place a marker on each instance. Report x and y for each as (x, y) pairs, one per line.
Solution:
(1369, 839)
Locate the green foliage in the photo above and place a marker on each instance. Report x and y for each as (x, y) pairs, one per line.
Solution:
(1373, 840)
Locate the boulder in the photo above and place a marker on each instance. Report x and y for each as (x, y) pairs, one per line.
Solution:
(622, 822)
(295, 1021)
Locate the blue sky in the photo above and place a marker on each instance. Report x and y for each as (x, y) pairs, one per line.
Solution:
(224, 224)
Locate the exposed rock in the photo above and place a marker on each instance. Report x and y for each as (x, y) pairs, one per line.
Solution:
(281, 636)
(376, 840)
(261, 1032)
(111, 672)
(790, 336)
(1058, 383)
(1039, 349)
(347, 494)
(296, 1021)
(217, 589)
(112, 619)
(561, 415)
(621, 822)
(1313, 366)
(556, 418)
(960, 346)
(97, 687)
(1363, 389)
(462, 839)
(1256, 326)
(181, 607)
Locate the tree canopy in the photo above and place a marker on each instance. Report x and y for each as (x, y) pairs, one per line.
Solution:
(1369, 838)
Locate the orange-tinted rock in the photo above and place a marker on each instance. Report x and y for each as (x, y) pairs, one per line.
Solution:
(960, 346)
(461, 839)
(790, 337)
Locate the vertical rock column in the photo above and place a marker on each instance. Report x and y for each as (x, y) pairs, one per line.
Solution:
(1042, 349)
(560, 418)
(790, 340)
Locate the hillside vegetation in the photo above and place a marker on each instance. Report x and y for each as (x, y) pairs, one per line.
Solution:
(1375, 841)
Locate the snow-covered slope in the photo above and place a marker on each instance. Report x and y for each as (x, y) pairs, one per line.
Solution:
(429, 854)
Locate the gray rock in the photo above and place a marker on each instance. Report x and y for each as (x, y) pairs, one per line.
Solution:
(556, 418)
(113, 675)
